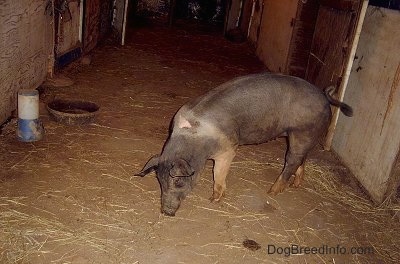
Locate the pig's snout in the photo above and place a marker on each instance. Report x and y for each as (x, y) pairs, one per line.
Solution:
(170, 204)
(168, 211)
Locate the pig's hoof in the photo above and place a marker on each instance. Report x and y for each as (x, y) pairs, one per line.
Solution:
(296, 183)
(216, 198)
(278, 187)
(298, 177)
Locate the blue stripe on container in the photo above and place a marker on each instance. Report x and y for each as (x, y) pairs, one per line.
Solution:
(25, 132)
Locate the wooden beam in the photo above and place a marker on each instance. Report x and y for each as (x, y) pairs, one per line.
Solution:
(345, 80)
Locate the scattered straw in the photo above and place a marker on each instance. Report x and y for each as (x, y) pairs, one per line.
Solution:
(25, 234)
(326, 184)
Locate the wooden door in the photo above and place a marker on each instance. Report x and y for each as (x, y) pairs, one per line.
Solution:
(255, 21)
(106, 12)
(91, 29)
(68, 27)
(334, 33)
(120, 16)
(302, 37)
(369, 142)
(275, 33)
(245, 16)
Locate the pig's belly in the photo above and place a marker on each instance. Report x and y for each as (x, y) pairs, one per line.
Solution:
(258, 135)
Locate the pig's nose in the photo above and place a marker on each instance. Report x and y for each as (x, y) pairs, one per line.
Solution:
(168, 212)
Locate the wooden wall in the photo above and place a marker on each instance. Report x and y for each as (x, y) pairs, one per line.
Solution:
(233, 9)
(309, 39)
(331, 44)
(119, 19)
(302, 38)
(255, 22)
(97, 22)
(26, 47)
(276, 33)
(245, 17)
(91, 30)
(369, 142)
(106, 15)
(68, 31)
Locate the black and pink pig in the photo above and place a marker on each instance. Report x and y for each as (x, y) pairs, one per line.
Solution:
(247, 110)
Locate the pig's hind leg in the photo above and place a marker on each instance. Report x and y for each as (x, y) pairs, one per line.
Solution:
(298, 176)
(300, 143)
(222, 162)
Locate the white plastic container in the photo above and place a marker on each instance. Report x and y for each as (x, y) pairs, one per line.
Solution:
(29, 126)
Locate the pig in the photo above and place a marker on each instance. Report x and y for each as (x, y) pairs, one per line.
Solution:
(252, 109)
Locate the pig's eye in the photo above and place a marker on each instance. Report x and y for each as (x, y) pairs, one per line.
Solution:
(178, 183)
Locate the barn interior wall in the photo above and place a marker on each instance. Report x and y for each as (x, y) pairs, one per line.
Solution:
(205, 10)
(330, 47)
(157, 6)
(234, 13)
(28, 41)
(91, 24)
(394, 183)
(302, 38)
(244, 21)
(368, 143)
(275, 33)
(97, 22)
(69, 30)
(255, 21)
(26, 45)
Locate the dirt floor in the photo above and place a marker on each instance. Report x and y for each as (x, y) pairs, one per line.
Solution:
(72, 197)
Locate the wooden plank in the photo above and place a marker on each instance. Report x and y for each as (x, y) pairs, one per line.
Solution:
(68, 32)
(393, 189)
(347, 5)
(368, 143)
(302, 37)
(120, 16)
(330, 47)
(91, 24)
(355, 36)
(255, 22)
(233, 15)
(171, 12)
(26, 44)
(106, 10)
(275, 33)
(245, 17)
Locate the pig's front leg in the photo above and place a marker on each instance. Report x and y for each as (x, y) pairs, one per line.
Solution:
(222, 162)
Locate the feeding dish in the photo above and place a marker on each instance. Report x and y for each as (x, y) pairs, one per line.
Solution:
(71, 112)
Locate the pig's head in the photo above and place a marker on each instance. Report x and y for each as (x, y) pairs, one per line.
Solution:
(176, 178)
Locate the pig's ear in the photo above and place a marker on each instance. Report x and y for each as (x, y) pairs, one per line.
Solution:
(181, 168)
(183, 122)
(151, 165)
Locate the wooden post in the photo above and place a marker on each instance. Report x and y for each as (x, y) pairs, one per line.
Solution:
(343, 85)
(171, 13)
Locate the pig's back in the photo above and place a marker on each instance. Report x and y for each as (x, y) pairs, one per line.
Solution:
(258, 107)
